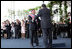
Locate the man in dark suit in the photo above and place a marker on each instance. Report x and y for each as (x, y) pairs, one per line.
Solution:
(46, 25)
(33, 28)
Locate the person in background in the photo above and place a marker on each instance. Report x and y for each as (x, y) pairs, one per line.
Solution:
(17, 29)
(54, 30)
(69, 24)
(13, 29)
(23, 29)
(8, 29)
(19, 36)
(27, 28)
(69, 17)
(4, 28)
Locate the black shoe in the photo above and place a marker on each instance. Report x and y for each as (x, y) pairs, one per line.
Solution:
(32, 46)
(37, 44)
(15, 37)
(8, 38)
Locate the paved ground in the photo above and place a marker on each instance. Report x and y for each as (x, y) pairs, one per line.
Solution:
(21, 43)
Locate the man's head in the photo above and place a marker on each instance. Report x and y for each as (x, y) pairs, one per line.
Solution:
(33, 11)
(24, 18)
(43, 5)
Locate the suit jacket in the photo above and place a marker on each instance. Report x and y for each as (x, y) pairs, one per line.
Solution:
(8, 28)
(45, 18)
(17, 27)
(32, 25)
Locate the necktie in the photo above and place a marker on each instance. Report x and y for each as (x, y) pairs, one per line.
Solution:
(32, 16)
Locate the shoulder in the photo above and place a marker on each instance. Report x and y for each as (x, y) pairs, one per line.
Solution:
(29, 16)
(48, 9)
(40, 10)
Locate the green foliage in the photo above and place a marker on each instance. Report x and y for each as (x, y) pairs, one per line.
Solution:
(29, 9)
(60, 5)
(65, 10)
(50, 5)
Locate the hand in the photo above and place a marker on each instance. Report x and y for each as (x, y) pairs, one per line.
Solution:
(32, 20)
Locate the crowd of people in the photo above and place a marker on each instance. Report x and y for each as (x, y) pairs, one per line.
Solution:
(32, 28)
(17, 29)
(14, 29)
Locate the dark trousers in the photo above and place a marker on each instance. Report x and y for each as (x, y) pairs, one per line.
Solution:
(33, 37)
(16, 34)
(4, 32)
(19, 35)
(55, 34)
(8, 34)
(47, 34)
(69, 30)
(27, 34)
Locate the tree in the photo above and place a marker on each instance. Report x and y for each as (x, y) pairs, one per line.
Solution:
(60, 10)
(65, 10)
(50, 5)
(19, 13)
(60, 5)
(38, 7)
(11, 12)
